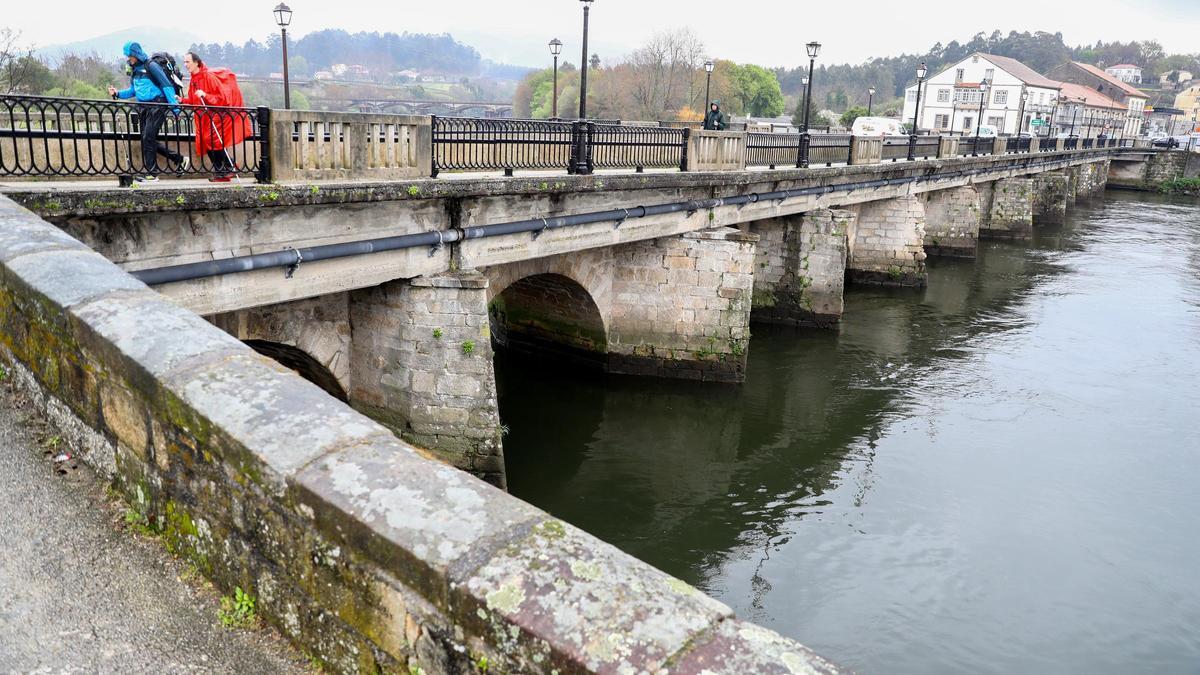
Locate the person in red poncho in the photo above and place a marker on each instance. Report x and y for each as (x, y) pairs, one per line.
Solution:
(217, 127)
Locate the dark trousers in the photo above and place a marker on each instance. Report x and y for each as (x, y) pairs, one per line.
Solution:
(152, 120)
(220, 162)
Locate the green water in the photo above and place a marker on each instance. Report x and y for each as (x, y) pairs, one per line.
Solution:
(999, 473)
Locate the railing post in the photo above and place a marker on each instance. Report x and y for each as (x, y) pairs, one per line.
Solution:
(433, 143)
(802, 151)
(265, 172)
(581, 164)
(912, 146)
(687, 139)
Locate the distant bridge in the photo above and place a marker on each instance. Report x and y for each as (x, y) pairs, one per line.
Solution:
(391, 105)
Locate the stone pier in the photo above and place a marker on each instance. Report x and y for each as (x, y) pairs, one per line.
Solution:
(1051, 193)
(800, 268)
(952, 219)
(1010, 215)
(681, 306)
(422, 365)
(886, 245)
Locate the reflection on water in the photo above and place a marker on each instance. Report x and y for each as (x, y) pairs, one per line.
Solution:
(997, 473)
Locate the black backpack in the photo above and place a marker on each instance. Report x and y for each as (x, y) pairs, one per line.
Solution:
(167, 63)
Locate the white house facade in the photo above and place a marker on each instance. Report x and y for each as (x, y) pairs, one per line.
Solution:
(951, 99)
(1126, 72)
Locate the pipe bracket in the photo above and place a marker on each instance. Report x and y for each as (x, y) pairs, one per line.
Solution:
(290, 270)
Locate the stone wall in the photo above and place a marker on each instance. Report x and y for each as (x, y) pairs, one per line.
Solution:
(886, 245)
(952, 222)
(1011, 215)
(370, 556)
(681, 306)
(421, 364)
(800, 268)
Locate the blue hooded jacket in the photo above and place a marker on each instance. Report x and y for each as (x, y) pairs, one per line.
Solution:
(148, 82)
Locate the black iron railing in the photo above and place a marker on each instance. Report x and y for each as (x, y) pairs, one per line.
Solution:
(828, 149)
(621, 147)
(478, 144)
(59, 137)
(772, 150)
(48, 136)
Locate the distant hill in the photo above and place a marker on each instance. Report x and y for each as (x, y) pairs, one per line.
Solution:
(152, 38)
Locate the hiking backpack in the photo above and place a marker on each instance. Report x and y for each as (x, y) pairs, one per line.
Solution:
(167, 63)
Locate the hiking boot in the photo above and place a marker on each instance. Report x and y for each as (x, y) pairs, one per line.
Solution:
(149, 178)
(221, 179)
(184, 164)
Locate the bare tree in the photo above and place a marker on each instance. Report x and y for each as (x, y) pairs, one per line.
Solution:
(663, 71)
(16, 62)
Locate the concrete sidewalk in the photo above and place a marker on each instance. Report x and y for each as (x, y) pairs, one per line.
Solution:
(79, 593)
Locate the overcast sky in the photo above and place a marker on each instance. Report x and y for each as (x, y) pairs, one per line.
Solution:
(767, 32)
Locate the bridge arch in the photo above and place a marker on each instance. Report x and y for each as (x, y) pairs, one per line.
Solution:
(557, 306)
(302, 364)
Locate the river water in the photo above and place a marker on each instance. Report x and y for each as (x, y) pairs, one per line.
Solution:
(1000, 473)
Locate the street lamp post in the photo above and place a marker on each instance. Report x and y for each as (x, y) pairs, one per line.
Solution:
(870, 99)
(1021, 113)
(555, 50)
(912, 138)
(1074, 112)
(814, 48)
(583, 67)
(983, 94)
(708, 71)
(283, 17)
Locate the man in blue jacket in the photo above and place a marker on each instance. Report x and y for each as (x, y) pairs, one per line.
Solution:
(149, 84)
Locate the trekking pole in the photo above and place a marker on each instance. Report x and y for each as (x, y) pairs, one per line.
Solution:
(221, 140)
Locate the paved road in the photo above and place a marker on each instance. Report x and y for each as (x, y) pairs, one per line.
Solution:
(79, 594)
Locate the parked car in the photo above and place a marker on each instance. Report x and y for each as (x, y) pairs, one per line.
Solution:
(1165, 142)
(877, 126)
(986, 131)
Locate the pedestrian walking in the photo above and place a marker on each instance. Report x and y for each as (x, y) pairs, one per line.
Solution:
(148, 83)
(221, 124)
(714, 119)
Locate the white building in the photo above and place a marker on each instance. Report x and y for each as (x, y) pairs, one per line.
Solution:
(1172, 78)
(1126, 72)
(951, 100)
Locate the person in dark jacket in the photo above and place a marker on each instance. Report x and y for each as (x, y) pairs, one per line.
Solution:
(714, 120)
(149, 84)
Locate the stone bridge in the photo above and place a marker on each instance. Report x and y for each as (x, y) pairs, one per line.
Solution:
(390, 296)
(656, 274)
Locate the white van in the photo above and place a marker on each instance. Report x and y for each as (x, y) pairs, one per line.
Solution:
(877, 126)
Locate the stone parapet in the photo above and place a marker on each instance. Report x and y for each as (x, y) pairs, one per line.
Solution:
(367, 554)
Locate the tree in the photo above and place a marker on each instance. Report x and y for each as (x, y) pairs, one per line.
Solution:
(759, 92)
(848, 117)
(663, 71)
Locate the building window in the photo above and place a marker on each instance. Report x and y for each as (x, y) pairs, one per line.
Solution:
(995, 121)
(1000, 97)
(989, 74)
(943, 95)
(941, 121)
(912, 95)
(958, 74)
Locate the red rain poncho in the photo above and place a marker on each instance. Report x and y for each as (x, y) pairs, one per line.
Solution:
(220, 128)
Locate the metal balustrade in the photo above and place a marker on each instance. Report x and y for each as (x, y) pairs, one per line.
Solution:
(43, 136)
(50, 137)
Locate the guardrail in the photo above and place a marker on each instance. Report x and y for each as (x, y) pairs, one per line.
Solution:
(48, 136)
(58, 137)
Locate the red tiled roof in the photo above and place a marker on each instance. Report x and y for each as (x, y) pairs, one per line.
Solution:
(1090, 96)
(1021, 71)
(1127, 88)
